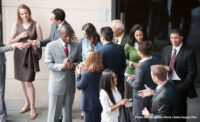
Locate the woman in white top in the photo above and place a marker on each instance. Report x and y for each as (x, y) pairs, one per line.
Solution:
(110, 97)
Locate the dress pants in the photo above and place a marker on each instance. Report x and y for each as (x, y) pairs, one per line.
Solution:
(181, 102)
(3, 113)
(58, 103)
(92, 116)
(128, 90)
(138, 105)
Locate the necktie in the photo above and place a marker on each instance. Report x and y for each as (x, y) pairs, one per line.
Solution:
(170, 74)
(116, 40)
(66, 50)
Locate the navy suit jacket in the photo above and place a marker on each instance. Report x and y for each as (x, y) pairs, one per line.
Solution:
(113, 57)
(88, 82)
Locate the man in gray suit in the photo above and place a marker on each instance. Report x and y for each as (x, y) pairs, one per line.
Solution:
(3, 113)
(61, 57)
(57, 18)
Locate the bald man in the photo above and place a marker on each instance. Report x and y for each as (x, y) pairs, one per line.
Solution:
(120, 37)
(61, 57)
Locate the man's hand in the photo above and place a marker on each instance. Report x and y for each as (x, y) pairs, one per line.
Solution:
(145, 112)
(19, 45)
(167, 68)
(75, 37)
(146, 92)
(134, 64)
(66, 62)
(132, 78)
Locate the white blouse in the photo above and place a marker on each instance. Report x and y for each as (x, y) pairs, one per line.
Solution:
(107, 115)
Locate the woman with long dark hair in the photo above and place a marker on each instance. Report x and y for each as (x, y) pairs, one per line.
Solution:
(136, 36)
(90, 40)
(110, 97)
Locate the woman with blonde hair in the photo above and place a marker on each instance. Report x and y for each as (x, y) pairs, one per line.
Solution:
(26, 61)
(88, 82)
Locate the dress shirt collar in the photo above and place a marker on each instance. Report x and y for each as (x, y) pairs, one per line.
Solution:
(159, 86)
(107, 42)
(119, 38)
(177, 48)
(60, 25)
(145, 59)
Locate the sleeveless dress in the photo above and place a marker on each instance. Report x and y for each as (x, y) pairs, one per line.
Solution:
(26, 61)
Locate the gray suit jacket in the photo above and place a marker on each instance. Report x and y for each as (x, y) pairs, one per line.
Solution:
(54, 34)
(61, 81)
(2, 50)
(143, 76)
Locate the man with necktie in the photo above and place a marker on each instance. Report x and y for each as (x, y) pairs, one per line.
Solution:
(61, 57)
(180, 62)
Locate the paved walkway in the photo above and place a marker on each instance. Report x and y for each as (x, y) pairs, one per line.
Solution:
(42, 107)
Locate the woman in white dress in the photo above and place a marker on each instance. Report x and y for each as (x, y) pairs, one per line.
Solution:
(110, 97)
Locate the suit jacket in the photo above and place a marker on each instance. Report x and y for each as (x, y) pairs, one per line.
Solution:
(164, 103)
(60, 80)
(2, 50)
(143, 76)
(185, 66)
(54, 34)
(124, 40)
(88, 82)
(113, 57)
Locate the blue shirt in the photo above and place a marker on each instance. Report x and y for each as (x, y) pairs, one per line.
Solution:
(86, 46)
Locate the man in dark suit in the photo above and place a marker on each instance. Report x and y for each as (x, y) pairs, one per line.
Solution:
(57, 18)
(120, 37)
(3, 113)
(181, 65)
(142, 76)
(164, 97)
(112, 55)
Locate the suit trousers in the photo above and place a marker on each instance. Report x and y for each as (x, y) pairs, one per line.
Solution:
(181, 101)
(3, 113)
(58, 103)
(138, 105)
(128, 89)
(94, 116)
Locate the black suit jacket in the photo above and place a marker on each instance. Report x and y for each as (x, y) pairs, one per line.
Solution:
(113, 57)
(185, 66)
(54, 34)
(164, 104)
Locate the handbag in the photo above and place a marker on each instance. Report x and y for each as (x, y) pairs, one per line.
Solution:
(126, 115)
